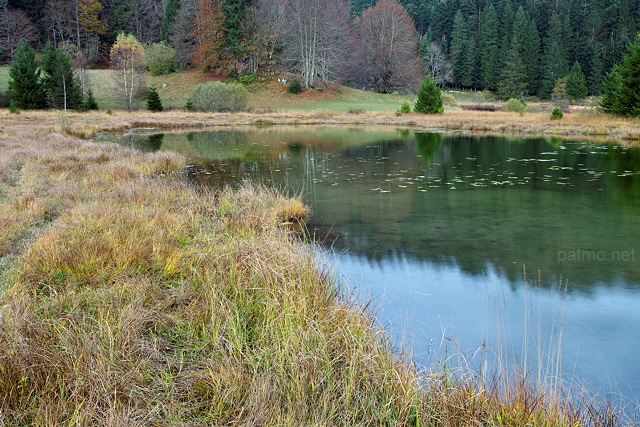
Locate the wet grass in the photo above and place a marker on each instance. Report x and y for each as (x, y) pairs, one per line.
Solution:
(131, 297)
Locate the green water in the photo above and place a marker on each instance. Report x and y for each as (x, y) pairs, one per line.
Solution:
(472, 240)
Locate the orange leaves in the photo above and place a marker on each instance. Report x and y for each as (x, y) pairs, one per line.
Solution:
(209, 35)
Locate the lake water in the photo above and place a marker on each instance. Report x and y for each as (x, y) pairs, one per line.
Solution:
(465, 244)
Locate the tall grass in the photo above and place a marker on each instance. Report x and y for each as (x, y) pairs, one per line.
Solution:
(134, 298)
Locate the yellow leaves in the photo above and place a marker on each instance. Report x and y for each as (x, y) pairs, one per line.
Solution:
(89, 19)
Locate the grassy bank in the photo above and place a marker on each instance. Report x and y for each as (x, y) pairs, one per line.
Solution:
(129, 297)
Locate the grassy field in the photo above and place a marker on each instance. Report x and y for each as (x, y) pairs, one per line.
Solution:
(130, 297)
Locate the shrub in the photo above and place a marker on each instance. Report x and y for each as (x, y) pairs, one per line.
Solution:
(218, 96)
(533, 108)
(404, 109)
(13, 108)
(448, 99)
(429, 98)
(160, 58)
(557, 114)
(514, 105)
(189, 106)
(295, 87)
(247, 79)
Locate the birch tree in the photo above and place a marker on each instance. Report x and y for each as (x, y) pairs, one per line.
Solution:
(128, 63)
(318, 38)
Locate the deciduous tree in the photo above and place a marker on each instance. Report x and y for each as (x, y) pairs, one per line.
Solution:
(128, 63)
(437, 64)
(15, 28)
(389, 59)
(209, 36)
(318, 38)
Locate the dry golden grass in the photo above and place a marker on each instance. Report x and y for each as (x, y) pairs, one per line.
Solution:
(135, 298)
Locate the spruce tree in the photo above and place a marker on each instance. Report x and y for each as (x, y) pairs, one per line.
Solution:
(61, 87)
(630, 78)
(576, 83)
(89, 103)
(153, 100)
(459, 40)
(171, 11)
(513, 79)
(611, 98)
(429, 98)
(25, 85)
(489, 50)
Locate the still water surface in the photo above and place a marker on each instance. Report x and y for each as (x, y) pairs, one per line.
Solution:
(465, 243)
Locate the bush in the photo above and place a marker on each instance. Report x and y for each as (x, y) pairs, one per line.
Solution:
(404, 109)
(514, 105)
(533, 108)
(557, 114)
(218, 96)
(160, 58)
(448, 99)
(247, 79)
(295, 87)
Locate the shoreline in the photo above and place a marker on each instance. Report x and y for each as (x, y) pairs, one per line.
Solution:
(598, 126)
(130, 297)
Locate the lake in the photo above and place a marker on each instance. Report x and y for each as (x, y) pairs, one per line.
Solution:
(471, 248)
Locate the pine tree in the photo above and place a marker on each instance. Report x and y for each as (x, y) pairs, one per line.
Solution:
(61, 87)
(153, 100)
(611, 96)
(459, 40)
(489, 50)
(170, 13)
(429, 98)
(530, 53)
(89, 103)
(25, 86)
(628, 95)
(576, 83)
(513, 79)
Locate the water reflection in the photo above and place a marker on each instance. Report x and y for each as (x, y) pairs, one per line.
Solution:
(432, 223)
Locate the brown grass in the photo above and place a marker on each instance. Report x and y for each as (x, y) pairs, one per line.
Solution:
(134, 298)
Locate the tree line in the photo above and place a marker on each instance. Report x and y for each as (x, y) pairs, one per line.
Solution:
(513, 48)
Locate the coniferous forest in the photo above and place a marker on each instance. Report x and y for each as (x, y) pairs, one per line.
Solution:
(513, 48)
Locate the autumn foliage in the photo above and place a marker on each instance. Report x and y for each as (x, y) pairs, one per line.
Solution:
(209, 36)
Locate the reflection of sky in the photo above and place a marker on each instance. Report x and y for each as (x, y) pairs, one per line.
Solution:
(430, 306)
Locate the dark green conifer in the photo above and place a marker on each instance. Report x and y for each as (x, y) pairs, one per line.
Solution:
(429, 98)
(489, 50)
(513, 79)
(576, 83)
(153, 100)
(25, 85)
(62, 89)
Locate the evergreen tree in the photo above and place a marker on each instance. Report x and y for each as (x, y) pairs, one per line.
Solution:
(530, 53)
(576, 83)
(61, 87)
(555, 61)
(513, 79)
(611, 97)
(89, 103)
(470, 65)
(429, 98)
(489, 50)
(625, 95)
(153, 100)
(459, 40)
(170, 13)
(25, 86)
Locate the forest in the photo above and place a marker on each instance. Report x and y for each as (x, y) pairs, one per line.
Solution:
(513, 48)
